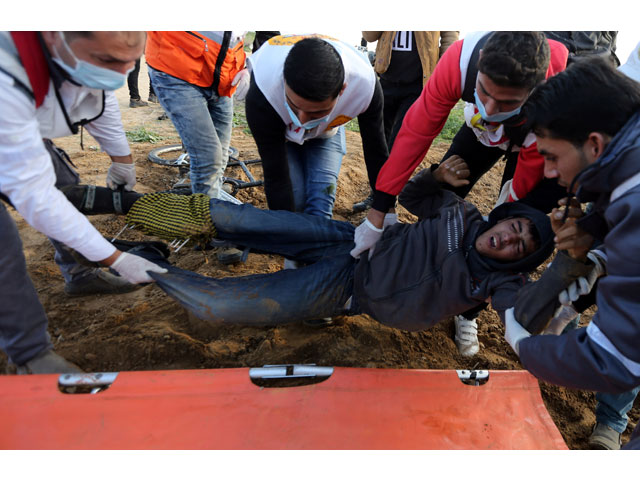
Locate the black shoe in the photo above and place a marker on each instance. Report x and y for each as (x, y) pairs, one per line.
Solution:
(137, 103)
(99, 282)
(364, 204)
(229, 255)
(152, 98)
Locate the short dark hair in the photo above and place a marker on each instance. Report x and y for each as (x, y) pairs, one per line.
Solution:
(589, 96)
(71, 36)
(313, 69)
(515, 59)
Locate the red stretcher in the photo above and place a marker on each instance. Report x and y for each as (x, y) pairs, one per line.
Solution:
(352, 408)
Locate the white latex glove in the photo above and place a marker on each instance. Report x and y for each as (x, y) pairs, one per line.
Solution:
(290, 264)
(513, 331)
(564, 314)
(584, 285)
(121, 174)
(134, 268)
(242, 80)
(389, 219)
(366, 236)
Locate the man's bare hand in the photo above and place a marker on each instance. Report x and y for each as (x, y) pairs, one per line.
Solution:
(569, 236)
(454, 171)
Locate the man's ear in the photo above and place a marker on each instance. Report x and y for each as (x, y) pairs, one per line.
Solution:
(344, 85)
(49, 38)
(595, 144)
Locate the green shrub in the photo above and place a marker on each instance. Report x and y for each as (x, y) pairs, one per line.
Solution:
(454, 122)
(141, 135)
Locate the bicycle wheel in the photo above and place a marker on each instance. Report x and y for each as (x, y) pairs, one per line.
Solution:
(169, 155)
(175, 156)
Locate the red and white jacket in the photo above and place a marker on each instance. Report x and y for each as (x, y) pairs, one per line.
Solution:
(428, 115)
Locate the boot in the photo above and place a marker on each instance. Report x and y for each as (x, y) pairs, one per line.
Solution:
(604, 437)
(99, 282)
(47, 362)
(364, 204)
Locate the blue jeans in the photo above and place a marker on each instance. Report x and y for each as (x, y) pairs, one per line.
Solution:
(23, 322)
(71, 270)
(316, 291)
(314, 167)
(203, 120)
(611, 408)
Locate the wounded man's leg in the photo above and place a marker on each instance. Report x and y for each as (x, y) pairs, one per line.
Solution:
(294, 235)
(316, 291)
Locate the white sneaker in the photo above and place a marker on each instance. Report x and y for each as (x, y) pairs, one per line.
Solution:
(466, 336)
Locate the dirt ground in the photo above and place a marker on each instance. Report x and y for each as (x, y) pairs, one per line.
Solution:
(146, 330)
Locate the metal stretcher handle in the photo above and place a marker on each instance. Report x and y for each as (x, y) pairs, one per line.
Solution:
(289, 371)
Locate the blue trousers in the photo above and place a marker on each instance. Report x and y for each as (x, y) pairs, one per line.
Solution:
(203, 120)
(314, 167)
(611, 408)
(23, 322)
(318, 290)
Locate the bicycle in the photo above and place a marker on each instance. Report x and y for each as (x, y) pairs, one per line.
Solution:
(165, 156)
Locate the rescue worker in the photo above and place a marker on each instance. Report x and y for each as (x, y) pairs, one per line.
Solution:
(194, 76)
(50, 84)
(587, 125)
(494, 72)
(304, 89)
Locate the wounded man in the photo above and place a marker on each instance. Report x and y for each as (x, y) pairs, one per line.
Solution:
(447, 262)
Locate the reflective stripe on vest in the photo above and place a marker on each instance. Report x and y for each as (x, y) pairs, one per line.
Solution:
(192, 57)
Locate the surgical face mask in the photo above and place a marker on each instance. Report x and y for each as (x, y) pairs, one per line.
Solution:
(496, 117)
(91, 75)
(311, 124)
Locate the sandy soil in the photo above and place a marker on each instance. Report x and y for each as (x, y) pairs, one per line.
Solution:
(146, 330)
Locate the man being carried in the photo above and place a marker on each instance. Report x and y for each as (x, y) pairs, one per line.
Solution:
(418, 274)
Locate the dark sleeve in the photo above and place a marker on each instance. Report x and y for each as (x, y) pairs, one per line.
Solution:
(537, 302)
(374, 144)
(423, 195)
(262, 37)
(268, 131)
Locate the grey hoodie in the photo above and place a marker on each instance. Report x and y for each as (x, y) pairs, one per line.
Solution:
(423, 272)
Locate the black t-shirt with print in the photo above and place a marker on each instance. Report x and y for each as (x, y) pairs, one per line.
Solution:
(405, 67)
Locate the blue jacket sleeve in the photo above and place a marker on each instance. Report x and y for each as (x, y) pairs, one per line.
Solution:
(604, 356)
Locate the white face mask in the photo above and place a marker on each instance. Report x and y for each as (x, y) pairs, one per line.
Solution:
(91, 75)
(496, 117)
(311, 124)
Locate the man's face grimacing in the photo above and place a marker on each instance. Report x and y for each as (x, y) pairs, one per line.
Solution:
(307, 110)
(508, 240)
(563, 160)
(497, 98)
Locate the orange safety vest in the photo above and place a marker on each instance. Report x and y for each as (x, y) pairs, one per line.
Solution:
(194, 58)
